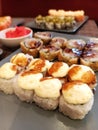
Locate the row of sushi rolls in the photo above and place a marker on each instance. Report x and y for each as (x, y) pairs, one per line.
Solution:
(51, 82)
(59, 19)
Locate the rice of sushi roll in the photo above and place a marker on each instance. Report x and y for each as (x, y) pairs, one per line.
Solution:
(27, 81)
(8, 72)
(47, 94)
(76, 100)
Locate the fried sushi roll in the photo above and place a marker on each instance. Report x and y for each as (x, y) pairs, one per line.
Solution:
(76, 43)
(8, 72)
(49, 52)
(58, 42)
(90, 59)
(31, 46)
(44, 36)
(47, 94)
(27, 81)
(76, 100)
(70, 56)
(82, 73)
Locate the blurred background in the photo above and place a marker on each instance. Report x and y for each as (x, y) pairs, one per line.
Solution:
(31, 8)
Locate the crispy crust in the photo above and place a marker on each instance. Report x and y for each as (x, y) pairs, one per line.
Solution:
(93, 65)
(33, 52)
(67, 59)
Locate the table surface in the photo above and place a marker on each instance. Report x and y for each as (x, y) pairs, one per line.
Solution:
(88, 29)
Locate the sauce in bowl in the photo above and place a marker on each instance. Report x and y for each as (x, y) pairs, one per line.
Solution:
(17, 32)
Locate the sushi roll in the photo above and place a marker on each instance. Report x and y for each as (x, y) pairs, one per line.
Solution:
(27, 81)
(59, 42)
(49, 52)
(31, 46)
(8, 73)
(44, 36)
(82, 73)
(76, 100)
(58, 69)
(70, 56)
(76, 43)
(39, 65)
(90, 59)
(21, 60)
(47, 94)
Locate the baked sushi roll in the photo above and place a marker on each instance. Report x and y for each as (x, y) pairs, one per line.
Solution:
(47, 94)
(39, 65)
(82, 73)
(58, 42)
(92, 44)
(70, 56)
(90, 58)
(21, 60)
(31, 46)
(44, 36)
(76, 100)
(76, 43)
(58, 69)
(8, 72)
(49, 52)
(27, 81)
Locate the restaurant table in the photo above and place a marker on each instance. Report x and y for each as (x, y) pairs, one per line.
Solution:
(88, 29)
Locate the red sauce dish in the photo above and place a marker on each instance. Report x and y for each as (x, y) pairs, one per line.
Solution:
(17, 32)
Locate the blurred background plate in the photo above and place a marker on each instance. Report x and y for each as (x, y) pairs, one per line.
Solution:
(32, 25)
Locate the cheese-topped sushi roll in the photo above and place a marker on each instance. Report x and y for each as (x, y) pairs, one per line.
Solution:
(76, 100)
(21, 60)
(44, 36)
(47, 94)
(27, 81)
(31, 46)
(82, 73)
(58, 69)
(39, 65)
(8, 72)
